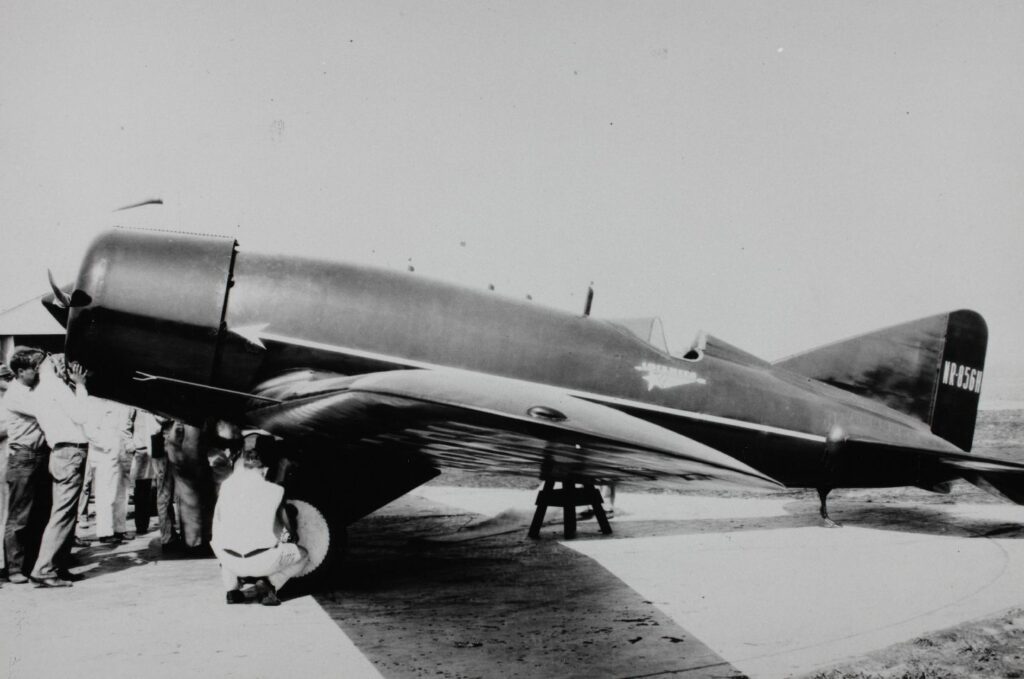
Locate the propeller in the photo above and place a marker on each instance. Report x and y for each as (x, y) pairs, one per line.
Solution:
(62, 300)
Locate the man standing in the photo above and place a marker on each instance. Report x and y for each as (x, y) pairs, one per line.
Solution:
(63, 415)
(169, 540)
(5, 379)
(143, 469)
(28, 483)
(110, 453)
(247, 526)
(193, 484)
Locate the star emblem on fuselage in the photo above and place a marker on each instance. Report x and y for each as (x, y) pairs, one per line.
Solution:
(660, 376)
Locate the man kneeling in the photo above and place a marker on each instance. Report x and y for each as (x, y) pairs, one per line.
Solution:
(247, 526)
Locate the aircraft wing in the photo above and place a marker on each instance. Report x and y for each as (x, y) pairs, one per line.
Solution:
(468, 420)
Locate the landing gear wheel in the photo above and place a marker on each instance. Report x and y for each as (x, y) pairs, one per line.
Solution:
(324, 543)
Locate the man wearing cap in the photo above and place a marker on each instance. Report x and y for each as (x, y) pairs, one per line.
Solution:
(63, 416)
(248, 523)
(28, 483)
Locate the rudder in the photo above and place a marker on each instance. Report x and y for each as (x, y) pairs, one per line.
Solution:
(958, 383)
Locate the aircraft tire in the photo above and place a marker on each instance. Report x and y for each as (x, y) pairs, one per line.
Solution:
(305, 485)
(314, 532)
(325, 541)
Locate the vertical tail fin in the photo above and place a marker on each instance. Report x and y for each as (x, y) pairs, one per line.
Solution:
(930, 369)
(958, 383)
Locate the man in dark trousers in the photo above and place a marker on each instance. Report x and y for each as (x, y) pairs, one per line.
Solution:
(64, 416)
(28, 481)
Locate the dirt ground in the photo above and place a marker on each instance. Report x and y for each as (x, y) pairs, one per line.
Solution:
(986, 648)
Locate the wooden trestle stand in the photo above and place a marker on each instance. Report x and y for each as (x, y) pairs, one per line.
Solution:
(569, 497)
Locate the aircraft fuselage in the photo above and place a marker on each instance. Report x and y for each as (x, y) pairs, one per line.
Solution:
(213, 323)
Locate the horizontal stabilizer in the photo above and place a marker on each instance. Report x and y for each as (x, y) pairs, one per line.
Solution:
(998, 477)
(934, 467)
(1009, 485)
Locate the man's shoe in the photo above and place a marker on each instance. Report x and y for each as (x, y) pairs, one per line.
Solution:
(65, 574)
(173, 546)
(235, 596)
(202, 551)
(50, 582)
(109, 540)
(17, 579)
(266, 594)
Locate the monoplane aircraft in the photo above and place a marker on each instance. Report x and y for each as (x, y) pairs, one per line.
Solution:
(375, 381)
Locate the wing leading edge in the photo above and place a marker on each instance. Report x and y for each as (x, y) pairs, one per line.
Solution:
(473, 421)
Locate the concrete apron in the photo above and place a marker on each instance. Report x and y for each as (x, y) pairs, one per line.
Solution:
(776, 598)
(138, 615)
(686, 585)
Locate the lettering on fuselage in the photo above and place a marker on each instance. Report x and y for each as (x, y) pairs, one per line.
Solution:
(666, 377)
(962, 377)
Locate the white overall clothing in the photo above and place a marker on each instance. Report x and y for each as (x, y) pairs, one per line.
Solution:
(110, 436)
(246, 532)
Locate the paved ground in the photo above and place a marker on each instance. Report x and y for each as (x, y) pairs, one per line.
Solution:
(139, 615)
(444, 583)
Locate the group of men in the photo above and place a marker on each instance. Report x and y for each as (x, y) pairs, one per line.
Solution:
(53, 432)
(56, 434)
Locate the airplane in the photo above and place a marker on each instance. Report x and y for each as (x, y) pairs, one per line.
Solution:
(375, 381)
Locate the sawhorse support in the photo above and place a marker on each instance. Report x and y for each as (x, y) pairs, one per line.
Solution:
(569, 497)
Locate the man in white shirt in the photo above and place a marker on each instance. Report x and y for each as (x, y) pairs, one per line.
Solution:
(247, 525)
(63, 415)
(28, 482)
(111, 447)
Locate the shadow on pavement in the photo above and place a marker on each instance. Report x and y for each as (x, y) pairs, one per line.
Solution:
(924, 520)
(505, 606)
(427, 589)
(927, 519)
(96, 559)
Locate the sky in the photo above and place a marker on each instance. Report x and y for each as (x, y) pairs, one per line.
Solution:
(779, 174)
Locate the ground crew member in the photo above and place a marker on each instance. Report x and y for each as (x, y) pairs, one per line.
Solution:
(28, 482)
(248, 523)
